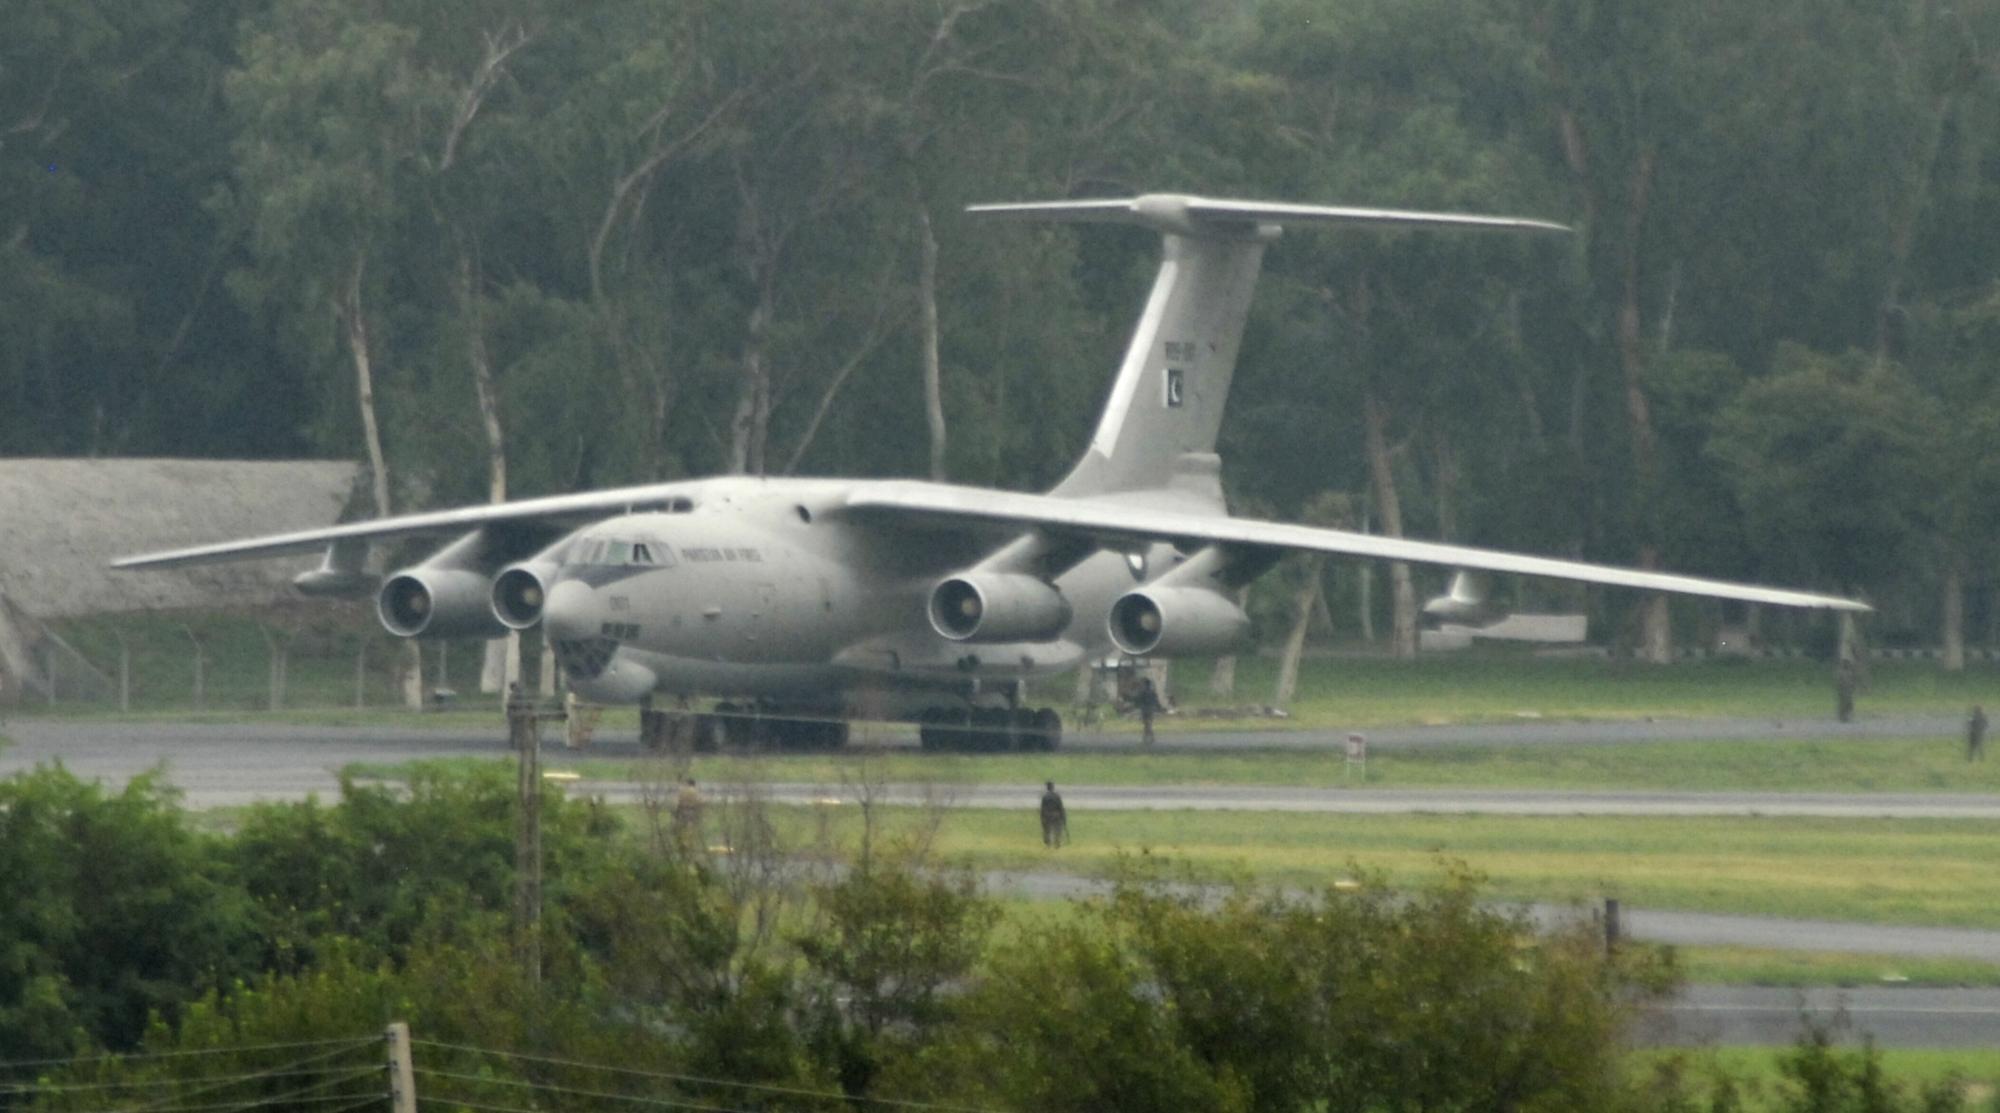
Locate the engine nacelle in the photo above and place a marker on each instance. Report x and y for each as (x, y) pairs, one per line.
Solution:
(1176, 622)
(1467, 602)
(520, 592)
(430, 602)
(998, 607)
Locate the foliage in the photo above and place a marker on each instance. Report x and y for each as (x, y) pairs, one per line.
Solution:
(111, 910)
(1343, 999)
(729, 969)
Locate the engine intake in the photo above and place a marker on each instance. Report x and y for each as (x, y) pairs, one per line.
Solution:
(998, 607)
(520, 593)
(1176, 621)
(427, 602)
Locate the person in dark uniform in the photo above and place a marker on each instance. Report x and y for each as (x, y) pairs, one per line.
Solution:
(1148, 703)
(1844, 680)
(1975, 734)
(1055, 821)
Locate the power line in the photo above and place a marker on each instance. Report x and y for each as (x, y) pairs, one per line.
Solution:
(548, 1087)
(295, 1097)
(141, 1083)
(458, 1103)
(212, 1086)
(27, 1064)
(788, 1091)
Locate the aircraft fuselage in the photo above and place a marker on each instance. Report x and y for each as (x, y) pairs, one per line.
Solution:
(756, 591)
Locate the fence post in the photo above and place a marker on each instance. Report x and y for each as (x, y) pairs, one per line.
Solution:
(402, 1073)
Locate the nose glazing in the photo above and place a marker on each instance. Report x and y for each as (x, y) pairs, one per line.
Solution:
(572, 610)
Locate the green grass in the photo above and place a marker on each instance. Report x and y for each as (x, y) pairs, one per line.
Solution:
(1762, 1085)
(1502, 685)
(1756, 966)
(1787, 765)
(1916, 872)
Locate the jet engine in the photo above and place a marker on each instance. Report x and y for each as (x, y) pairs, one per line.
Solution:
(520, 592)
(1467, 602)
(998, 607)
(432, 602)
(1177, 621)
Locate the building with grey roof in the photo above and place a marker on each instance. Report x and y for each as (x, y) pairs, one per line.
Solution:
(63, 521)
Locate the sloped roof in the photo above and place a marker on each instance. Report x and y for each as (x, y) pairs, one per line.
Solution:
(63, 521)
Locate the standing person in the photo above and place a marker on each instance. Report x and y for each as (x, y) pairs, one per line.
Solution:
(1844, 680)
(1148, 701)
(1055, 821)
(1975, 734)
(687, 811)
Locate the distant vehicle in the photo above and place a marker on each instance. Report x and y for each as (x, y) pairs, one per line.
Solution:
(803, 604)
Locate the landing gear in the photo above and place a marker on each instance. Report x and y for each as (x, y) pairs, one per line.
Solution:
(748, 727)
(989, 729)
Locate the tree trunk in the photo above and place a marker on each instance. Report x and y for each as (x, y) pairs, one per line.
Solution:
(355, 320)
(1444, 460)
(749, 428)
(1390, 509)
(1222, 679)
(1954, 615)
(412, 674)
(1656, 633)
(502, 664)
(1295, 640)
(933, 374)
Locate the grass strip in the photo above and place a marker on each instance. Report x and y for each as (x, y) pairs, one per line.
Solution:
(1769, 765)
(1911, 872)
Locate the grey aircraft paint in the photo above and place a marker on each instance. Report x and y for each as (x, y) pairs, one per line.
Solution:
(827, 598)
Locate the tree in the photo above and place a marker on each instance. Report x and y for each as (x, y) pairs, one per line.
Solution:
(890, 945)
(111, 911)
(1357, 999)
(1823, 455)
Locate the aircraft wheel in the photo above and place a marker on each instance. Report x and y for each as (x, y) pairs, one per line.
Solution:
(740, 726)
(710, 732)
(654, 733)
(1047, 729)
(1021, 730)
(991, 730)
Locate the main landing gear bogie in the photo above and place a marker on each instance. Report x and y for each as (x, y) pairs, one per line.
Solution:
(990, 729)
(733, 727)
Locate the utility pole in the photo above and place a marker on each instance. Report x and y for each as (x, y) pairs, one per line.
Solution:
(402, 1073)
(525, 733)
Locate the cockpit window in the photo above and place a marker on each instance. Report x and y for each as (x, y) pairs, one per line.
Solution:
(616, 553)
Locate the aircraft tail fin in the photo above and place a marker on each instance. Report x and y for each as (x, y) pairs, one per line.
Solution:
(1160, 423)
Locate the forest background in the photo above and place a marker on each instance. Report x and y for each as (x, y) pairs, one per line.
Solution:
(499, 248)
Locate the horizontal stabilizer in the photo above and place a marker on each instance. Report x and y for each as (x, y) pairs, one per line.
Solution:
(1186, 215)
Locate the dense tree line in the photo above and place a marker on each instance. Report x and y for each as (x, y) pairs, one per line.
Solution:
(502, 247)
(761, 977)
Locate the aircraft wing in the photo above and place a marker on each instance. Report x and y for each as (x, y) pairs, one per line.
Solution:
(550, 512)
(1113, 524)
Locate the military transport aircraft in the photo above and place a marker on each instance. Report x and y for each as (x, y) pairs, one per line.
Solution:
(803, 604)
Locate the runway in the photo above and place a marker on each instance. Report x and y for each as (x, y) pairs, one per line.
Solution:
(221, 765)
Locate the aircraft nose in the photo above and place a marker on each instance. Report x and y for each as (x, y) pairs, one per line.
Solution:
(572, 611)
